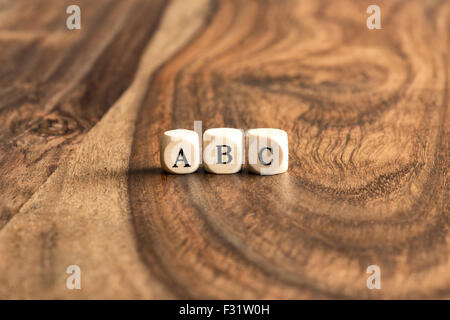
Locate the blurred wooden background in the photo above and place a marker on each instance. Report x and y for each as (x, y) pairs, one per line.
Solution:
(366, 112)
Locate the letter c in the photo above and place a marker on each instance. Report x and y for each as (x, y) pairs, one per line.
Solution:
(260, 156)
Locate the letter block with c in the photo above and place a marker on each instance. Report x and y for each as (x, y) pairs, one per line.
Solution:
(267, 151)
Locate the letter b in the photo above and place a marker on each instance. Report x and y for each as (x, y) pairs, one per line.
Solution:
(227, 153)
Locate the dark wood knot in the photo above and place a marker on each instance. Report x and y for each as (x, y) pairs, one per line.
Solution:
(54, 126)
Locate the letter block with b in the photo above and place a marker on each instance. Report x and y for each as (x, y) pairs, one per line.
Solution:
(223, 150)
(267, 151)
(180, 151)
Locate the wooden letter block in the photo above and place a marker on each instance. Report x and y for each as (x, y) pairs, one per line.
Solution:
(267, 151)
(223, 150)
(180, 151)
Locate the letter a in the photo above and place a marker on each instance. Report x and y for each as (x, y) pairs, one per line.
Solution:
(74, 20)
(374, 21)
(374, 281)
(183, 158)
(73, 281)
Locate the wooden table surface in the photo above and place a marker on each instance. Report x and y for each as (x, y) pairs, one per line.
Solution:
(366, 112)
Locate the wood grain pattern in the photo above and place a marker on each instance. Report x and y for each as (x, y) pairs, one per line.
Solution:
(366, 114)
(55, 84)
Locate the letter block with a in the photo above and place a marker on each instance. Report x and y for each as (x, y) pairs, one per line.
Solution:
(267, 151)
(180, 151)
(223, 150)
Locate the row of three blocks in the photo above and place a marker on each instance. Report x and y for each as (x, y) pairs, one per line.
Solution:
(265, 150)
